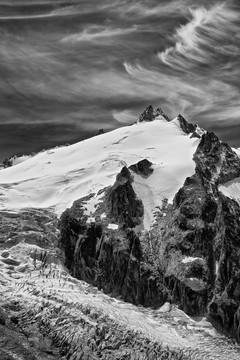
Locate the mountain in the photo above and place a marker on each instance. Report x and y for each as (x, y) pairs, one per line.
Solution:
(55, 178)
(123, 246)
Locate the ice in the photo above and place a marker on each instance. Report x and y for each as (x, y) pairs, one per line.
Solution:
(189, 259)
(113, 226)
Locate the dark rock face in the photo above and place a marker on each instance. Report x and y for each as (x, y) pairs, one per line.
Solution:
(3, 317)
(143, 168)
(206, 224)
(186, 127)
(215, 160)
(189, 293)
(150, 114)
(123, 205)
(112, 260)
(34, 226)
(7, 163)
(189, 234)
(224, 308)
(189, 128)
(113, 263)
(71, 225)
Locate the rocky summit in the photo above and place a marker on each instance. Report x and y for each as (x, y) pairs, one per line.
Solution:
(150, 114)
(143, 264)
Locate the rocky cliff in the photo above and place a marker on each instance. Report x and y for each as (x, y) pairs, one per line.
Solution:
(112, 259)
(205, 228)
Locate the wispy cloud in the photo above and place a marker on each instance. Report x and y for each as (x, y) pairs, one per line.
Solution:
(125, 117)
(96, 33)
(217, 99)
(144, 9)
(203, 37)
(92, 64)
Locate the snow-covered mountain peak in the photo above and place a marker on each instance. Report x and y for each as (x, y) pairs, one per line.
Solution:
(55, 178)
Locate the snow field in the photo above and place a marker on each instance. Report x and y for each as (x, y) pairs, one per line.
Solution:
(55, 178)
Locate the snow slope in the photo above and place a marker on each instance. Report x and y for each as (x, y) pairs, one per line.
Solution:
(55, 178)
(18, 159)
(231, 189)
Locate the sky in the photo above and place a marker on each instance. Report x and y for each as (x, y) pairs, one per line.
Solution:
(70, 68)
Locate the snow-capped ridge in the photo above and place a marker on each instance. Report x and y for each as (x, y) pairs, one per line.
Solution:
(151, 114)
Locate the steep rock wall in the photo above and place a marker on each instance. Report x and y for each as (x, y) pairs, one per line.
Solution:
(205, 225)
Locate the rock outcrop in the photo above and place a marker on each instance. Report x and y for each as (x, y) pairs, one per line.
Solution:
(110, 259)
(189, 128)
(186, 127)
(143, 168)
(216, 162)
(33, 226)
(224, 307)
(150, 114)
(123, 206)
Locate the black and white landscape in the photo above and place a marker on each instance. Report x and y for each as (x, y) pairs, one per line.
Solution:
(126, 243)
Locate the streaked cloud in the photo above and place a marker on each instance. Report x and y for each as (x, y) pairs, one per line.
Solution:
(84, 65)
(96, 33)
(125, 117)
(203, 37)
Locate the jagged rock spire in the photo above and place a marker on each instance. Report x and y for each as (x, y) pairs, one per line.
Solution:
(215, 160)
(150, 114)
(190, 128)
(186, 127)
